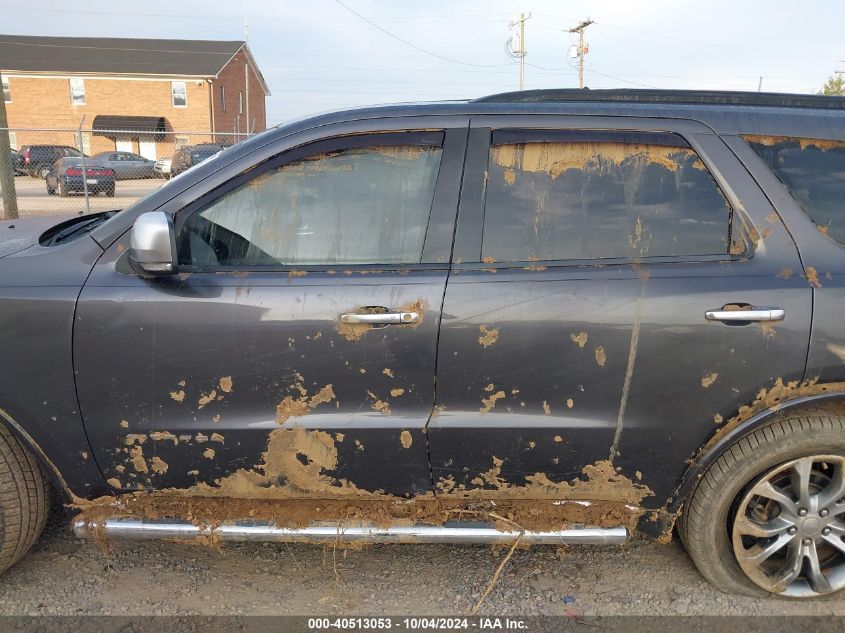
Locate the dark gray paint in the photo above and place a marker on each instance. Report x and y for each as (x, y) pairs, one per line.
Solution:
(211, 324)
(267, 331)
(668, 413)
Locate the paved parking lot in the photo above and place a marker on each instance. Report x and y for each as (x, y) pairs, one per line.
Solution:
(33, 199)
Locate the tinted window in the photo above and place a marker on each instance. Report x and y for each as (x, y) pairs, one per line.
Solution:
(814, 173)
(365, 205)
(599, 195)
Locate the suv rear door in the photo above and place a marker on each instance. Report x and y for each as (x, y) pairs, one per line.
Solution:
(574, 341)
(238, 374)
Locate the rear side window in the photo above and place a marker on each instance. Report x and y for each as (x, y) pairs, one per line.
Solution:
(362, 205)
(599, 195)
(814, 173)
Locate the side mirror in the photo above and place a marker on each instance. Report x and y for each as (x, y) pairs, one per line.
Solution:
(152, 245)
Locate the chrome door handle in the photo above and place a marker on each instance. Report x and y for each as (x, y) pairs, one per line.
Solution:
(750, 313)
(380, 318)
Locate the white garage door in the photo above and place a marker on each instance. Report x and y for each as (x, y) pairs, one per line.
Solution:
(147, 149)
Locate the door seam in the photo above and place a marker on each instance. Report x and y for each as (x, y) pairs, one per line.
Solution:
(440, 316)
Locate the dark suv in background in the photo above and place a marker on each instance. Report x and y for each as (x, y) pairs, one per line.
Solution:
(190, 155)
(555, 316)
(39, 159)
(16, 161)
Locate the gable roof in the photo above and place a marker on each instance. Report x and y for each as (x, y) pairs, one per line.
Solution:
(119, 56)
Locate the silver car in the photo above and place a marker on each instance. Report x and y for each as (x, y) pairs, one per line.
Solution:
(162, 168)
(127, 166)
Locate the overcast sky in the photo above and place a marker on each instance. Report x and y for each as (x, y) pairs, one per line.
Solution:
(317, 55)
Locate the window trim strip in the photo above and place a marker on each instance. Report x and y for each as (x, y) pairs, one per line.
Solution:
(517, 136)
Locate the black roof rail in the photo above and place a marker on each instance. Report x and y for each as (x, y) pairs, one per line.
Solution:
(703, 97)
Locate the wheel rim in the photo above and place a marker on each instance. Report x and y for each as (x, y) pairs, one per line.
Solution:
(788, 532)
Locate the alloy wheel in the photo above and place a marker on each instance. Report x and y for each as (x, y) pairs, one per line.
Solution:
(788, 532)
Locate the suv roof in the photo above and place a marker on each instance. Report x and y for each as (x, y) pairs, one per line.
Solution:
(687, 97)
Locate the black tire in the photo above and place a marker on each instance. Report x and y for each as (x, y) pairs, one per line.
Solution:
(25, 496)
(43, 172)
(110, 192)
(705, 525)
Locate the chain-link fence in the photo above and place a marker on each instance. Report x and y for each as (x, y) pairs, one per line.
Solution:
(69, 171)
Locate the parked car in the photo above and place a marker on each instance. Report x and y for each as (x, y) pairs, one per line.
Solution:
(38, 159)
(16, 161)
(190, 155)
(560, 316)
(162, 168)
(126, 166)
(65, 177)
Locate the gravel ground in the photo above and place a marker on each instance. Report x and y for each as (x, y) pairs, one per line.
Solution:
(66, 576)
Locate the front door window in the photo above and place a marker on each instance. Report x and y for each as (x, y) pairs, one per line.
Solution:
(364, 205)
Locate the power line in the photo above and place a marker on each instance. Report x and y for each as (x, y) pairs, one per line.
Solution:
(633, 83)
(412, 45)
(473, 16)
(226, 54)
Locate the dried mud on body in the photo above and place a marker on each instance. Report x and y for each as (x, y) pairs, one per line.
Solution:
(601, 498)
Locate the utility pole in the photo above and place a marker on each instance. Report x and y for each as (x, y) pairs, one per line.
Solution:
(519, 53)
(582, 48)
(7, 170)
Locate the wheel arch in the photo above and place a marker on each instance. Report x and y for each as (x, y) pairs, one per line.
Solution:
(44, 462)
(726, 437)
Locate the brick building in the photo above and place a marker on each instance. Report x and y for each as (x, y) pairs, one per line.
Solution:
(139, 95)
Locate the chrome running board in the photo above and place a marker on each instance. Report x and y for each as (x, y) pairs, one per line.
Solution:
(237, 531)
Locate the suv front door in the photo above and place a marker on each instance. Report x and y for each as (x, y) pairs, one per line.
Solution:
(574, 345)
(241, 376)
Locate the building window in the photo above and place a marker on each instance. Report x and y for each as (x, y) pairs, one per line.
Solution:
(181, 140)
(77, 91)
(240, 101)
(13, 140)
(7, 94)
(223, 98)
(179, 94)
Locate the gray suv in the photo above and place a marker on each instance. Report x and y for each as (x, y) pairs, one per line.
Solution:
(560, 316)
